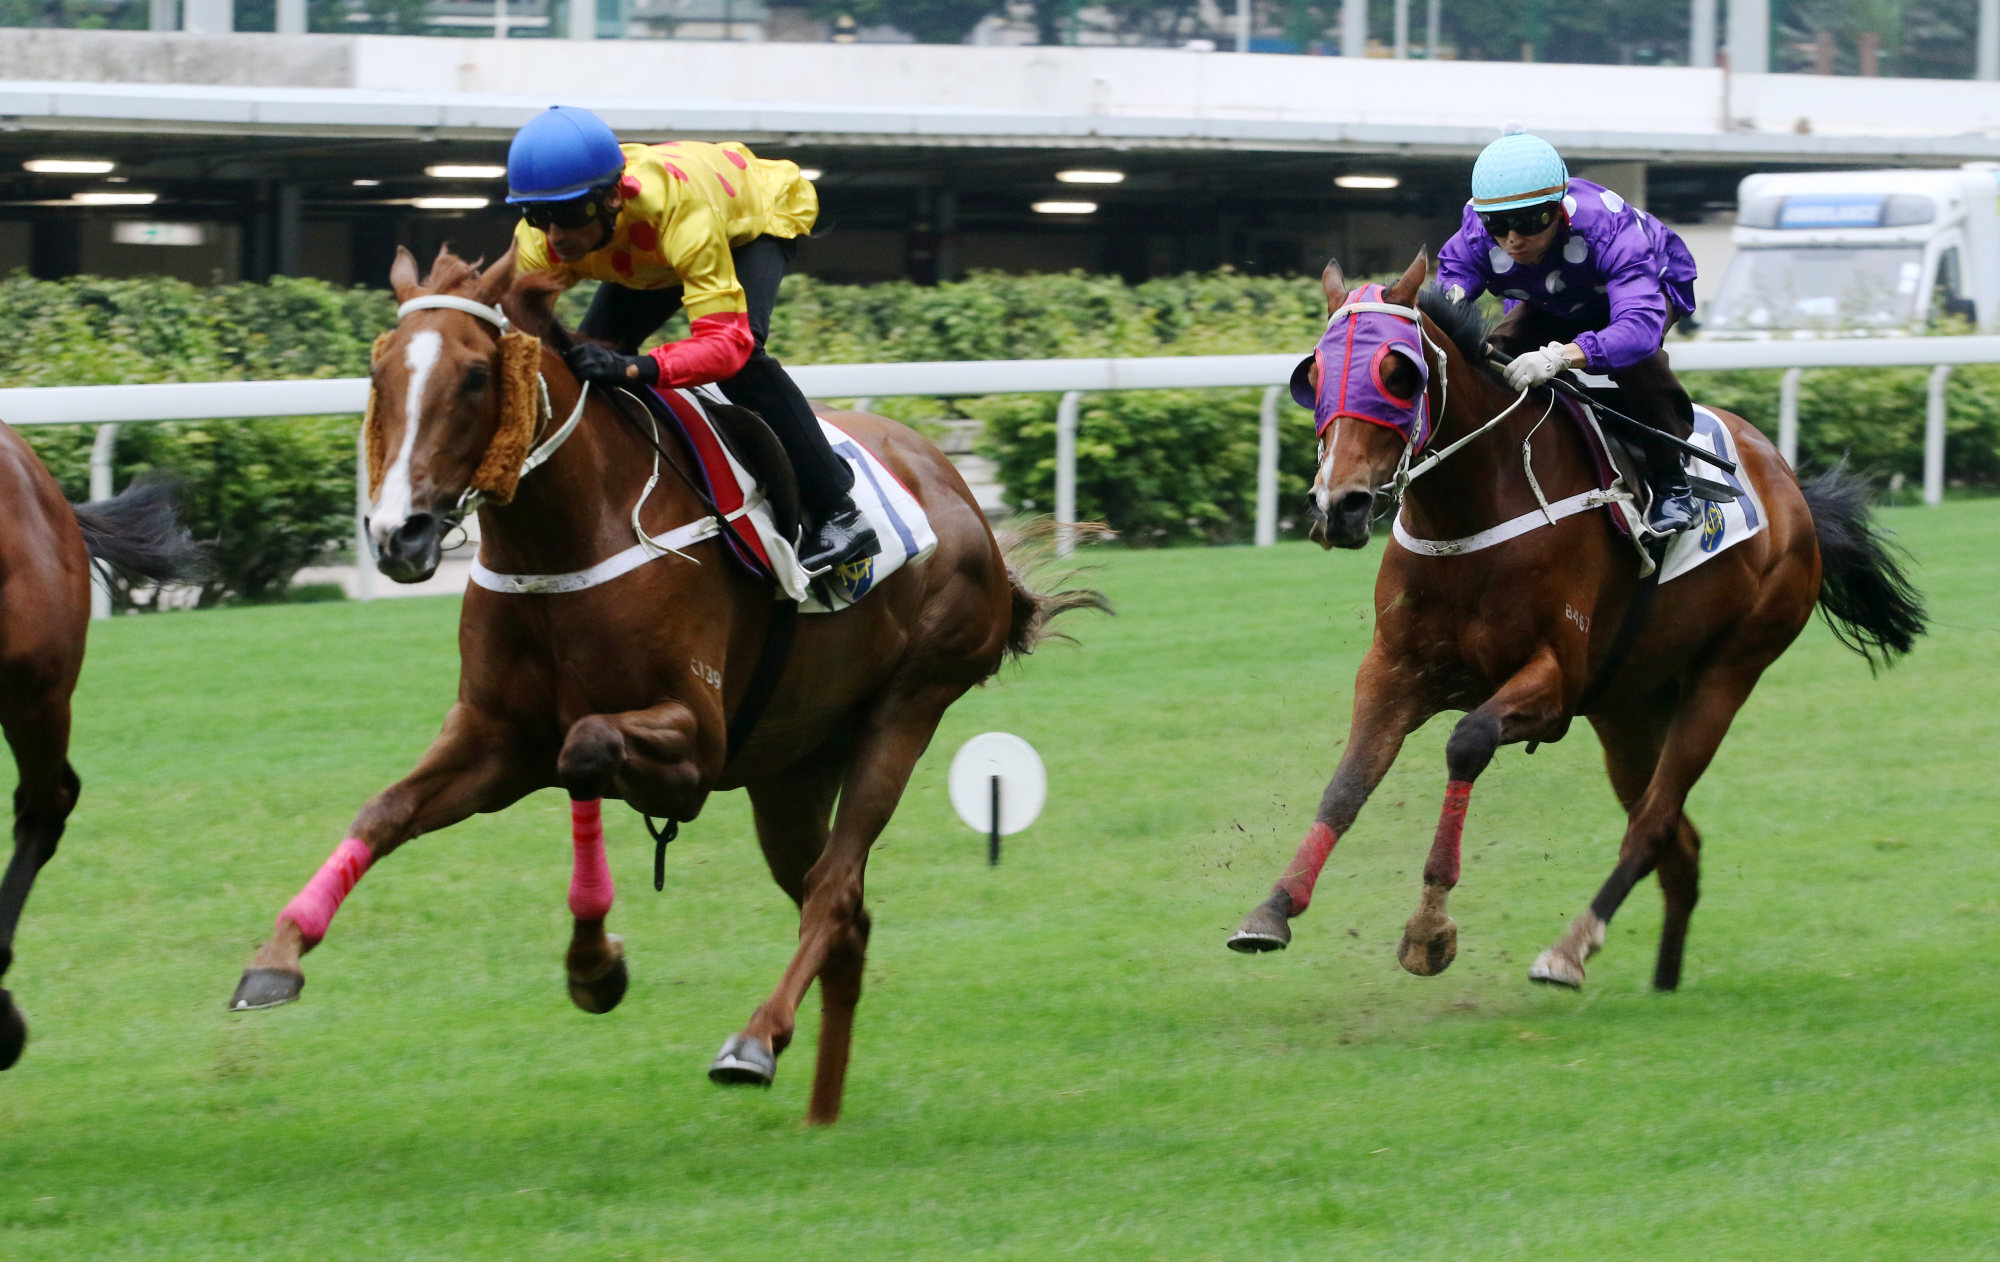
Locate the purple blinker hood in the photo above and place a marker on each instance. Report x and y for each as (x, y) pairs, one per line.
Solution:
(1343, 375)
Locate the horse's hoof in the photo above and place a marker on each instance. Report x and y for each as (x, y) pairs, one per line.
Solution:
(266, 988)
(744, 1062)
(1552, 968)
(1430, 954)
(13, 1031)
(600, 994)
(1266, 928)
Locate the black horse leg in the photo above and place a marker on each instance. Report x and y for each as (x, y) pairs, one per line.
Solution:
(1528, 706)
(1385, 712)
(41, 805)
(1656, 822)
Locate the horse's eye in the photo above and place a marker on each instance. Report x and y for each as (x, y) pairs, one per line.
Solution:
(475, 379)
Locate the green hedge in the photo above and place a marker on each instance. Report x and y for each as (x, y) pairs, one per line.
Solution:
(1159, 466)
(270, 496)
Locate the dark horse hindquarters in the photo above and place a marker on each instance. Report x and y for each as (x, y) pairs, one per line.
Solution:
(46, 547)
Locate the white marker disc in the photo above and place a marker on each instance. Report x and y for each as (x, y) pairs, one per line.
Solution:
(1024, 783)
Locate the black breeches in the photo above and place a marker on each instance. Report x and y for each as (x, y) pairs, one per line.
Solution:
(1648, 390)
(627, 317)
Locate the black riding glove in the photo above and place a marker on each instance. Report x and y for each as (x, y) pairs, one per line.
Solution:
(591, 362)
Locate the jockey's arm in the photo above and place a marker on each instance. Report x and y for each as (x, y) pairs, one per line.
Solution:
(720, 341)
(1459, 273)
(1638, 318)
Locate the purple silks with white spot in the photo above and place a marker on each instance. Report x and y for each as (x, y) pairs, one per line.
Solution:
(1343, 375)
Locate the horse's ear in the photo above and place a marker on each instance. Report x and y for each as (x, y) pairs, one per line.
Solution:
(496, 280)
(403, 274)
(1335, 284)
(1404, 291)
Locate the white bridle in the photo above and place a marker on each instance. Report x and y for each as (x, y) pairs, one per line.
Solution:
(1545, 514)
(544, 412)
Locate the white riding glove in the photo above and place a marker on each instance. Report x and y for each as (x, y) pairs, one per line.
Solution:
(1536, 367)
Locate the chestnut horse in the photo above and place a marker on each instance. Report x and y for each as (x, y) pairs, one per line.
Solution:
(46, 549)
(1525, 635)
(627, 689)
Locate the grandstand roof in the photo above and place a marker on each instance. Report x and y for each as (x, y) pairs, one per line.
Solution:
(959, 96)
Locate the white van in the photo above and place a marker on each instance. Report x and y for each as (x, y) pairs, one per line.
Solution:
(1859, 253)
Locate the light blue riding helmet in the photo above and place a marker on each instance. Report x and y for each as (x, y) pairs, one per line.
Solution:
(562, 153)
(1518, 170)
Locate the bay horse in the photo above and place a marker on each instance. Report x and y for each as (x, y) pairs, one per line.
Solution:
(47, 546)
(1526, 635)
(628, 689)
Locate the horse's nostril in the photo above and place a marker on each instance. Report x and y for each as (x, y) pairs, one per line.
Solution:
(1354, 504)
(416, 528)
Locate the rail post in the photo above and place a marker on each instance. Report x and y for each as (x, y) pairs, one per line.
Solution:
(364, 551)
(1934, 436)
(1066, 413)
(103, 448)
(1788, 416)
(1267, 468)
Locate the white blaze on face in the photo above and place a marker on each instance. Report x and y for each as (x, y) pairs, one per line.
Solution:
(392, 505)
(1322, 490)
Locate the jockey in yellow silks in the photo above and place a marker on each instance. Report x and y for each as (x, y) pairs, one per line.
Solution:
(705, 227)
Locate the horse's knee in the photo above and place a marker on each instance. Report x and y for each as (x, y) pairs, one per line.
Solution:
(1471, 745)
(591, 756)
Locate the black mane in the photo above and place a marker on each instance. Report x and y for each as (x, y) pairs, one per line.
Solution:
(1462, 322)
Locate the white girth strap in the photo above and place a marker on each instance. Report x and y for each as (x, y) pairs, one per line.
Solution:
(1507, 530)
(604, 571)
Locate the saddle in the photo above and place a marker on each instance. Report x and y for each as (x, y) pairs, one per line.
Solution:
(707, 431)
(743, 476)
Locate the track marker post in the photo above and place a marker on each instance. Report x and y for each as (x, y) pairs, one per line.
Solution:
(998, 786)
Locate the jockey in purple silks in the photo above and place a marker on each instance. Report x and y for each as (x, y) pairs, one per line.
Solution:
(1589, 281)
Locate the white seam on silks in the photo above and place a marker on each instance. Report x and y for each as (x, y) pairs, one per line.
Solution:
(419, 357)
(1513, 529)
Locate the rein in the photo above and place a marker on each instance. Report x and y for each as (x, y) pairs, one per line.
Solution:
(1398, 485)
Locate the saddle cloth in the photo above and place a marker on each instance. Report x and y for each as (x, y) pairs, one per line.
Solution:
(902, 531)
(1723, 525)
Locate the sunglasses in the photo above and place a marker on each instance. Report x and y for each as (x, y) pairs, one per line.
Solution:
(571, 214)
(1526, 220)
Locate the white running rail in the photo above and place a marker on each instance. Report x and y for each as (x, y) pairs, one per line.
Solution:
(1072, 378)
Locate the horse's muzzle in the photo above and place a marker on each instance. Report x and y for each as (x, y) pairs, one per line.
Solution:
(1348, 524)
(410, 554)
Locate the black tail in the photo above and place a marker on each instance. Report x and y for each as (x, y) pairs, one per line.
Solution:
(139, 534)
(1863, 593)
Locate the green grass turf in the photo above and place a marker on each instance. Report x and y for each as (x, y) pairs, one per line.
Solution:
(1055, 1058)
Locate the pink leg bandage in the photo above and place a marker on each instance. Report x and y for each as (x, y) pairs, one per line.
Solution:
(1298, 879)
(312, 910)
(1442, 867)
(590, 880)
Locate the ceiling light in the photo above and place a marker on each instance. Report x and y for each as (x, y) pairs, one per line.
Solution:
(1367, 181)
(449, 203)
(1091, 177)
(1065, 208)
(465, 171)
(68, 166)
(811, 173)
(114, 199)
(366, 183)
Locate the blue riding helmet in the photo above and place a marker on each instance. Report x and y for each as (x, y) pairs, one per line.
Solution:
(562, 153)
(1518, 170)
